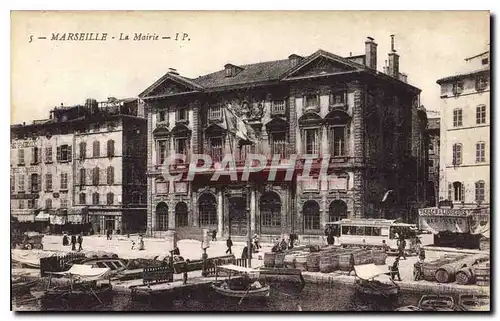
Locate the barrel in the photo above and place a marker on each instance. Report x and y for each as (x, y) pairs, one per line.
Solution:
(364, 257)
(313, 262)
(344, 261)
(465, 276)
(269, 259)
(314, 248)
(301, 262)
(430, 268)
(379, 257)
(279, 259)
(328, 262)
(171, 239)
(482, 273)
(446, 273)
(289, 261)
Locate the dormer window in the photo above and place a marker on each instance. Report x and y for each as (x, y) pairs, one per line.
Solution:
(215, 113)
(229, 71)
(484, 61)
(232, 70)
(458, 87)
(278, 107)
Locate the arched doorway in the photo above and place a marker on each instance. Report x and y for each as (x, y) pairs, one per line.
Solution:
(337, 211)
(181, 215)
(207, 209)
(162, 217)
(270, 213)
(311, 214)
(237, 215)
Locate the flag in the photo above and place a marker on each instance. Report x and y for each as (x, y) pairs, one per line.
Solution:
(238, 126)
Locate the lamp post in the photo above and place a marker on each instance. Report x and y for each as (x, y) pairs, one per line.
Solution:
(249, 245)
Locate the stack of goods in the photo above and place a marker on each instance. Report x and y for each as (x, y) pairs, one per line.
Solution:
(269, 259)
(379, 257)
(313, 262)
(482, 273)
(301, 262)
(446, 273)
(430, 268)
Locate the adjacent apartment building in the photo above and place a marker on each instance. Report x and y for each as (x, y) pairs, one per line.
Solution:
(433, 134)
(465, 134)
(369, 122)
(86, 164)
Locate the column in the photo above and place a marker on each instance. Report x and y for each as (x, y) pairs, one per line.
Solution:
(324, 212)
(195, 215)
(171, 216)
(220, 218)
(324, 141)
(252, 211)
(225, 213)
(150, 215)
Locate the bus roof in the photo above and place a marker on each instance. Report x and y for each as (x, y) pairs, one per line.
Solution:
(370, 221)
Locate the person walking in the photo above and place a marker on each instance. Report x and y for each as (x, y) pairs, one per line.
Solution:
(351, 264)
(141, 243)
(214, 235)
(256, 242)
(244, 253)
(73, 242)
(395, 269)
(229, 244)
(402, 248)
(385, 247)
(80, 241)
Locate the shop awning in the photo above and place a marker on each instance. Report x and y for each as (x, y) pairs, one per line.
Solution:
(58, 219)
(24, 215)
(42, 216)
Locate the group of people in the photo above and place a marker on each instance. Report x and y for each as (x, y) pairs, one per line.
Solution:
(73, 241)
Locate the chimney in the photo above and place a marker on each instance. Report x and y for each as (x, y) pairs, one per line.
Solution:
(393, 68)
(371, 53)
(173, 71)
(385, 67)
(295, 59)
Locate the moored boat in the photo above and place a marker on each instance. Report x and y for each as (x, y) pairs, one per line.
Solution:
(469, 302)
(22, 286)
(436, 303)
(367, 284)
(245, 285)
(408, 308)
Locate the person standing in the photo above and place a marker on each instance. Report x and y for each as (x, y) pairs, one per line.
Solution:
(351, 264)
(395, 269)
(385, 247)
(402, 247)
(65, 240)
(80, 241)
(229, 244)
(141, 243)
(214, 235)
(73, 242)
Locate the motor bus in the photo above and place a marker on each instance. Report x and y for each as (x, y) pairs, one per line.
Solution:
(372, 232)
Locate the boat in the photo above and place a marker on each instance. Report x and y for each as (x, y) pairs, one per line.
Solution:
(365, 282)
(408, 308)
(245, 285)
(85, 282)
(22, 286)
(469, 302)
(433, 302)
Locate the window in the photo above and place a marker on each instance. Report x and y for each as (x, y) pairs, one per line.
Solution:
(216, 149)
(95, 176)
(279, 144)
(484, 61)
(111, 148)
(35, 182)
(161, 187)
(311, 101)
(311, 215)
(458, 87)
(83, 150)
(338, 99)
(20, 183)
(458, 191)
(110, 197)
(481, 114)
(162, 152)
(32, 203)
(431, 163)
(181, 114)
(480, 152)
(64, 181)
(278, 107)
(457, 154)
(311, 141)
(82, 199)
(96, 149)
(48, 154)
(348, 230)
(181, 146)
(457, 117)
(95, 198)
(21, 204)
(35, 156)
(481, 83)
(161, 116)
(83, 177)
(48, 204)
(431, 147)
(64, 153)
(20, 157)
(48, 182)
(337, 142)
(12, 183)
(64, 203)
(215, 113)
(110, 175)
(479, 191)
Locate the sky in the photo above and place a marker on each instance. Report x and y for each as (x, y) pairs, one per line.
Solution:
(45, 73)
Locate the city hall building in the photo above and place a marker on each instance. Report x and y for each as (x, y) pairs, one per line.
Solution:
(369, 122)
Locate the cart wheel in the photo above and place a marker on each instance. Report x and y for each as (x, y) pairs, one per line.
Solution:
(28, 246)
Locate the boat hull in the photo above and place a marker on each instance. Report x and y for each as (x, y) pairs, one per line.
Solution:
(80, 295)
(22, 287)
(371, 288)
(257, 293)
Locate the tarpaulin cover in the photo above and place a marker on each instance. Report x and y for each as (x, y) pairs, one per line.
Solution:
(86, 272)
(42, 216)
(32, 257)
(369, 271)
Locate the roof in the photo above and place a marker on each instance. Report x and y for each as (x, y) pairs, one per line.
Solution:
(263, 73)
(235, 268)
(463, 75)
